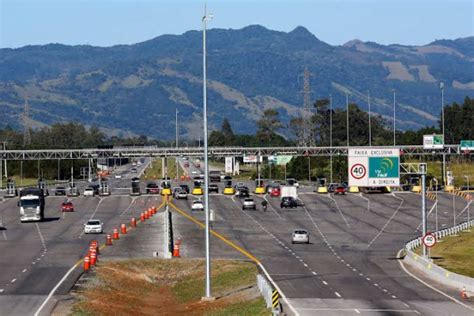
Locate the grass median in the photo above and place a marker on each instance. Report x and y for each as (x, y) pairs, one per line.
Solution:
(171, 287)
(156, 173)
(454, 253)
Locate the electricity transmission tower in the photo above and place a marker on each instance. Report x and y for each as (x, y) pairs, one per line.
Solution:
(307, 134)
(25, 117)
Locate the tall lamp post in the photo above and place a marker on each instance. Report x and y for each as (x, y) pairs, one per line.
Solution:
(441, 86)
(370, 125)
(347, 117)
(394, 107)
(205, 19)
(330, 133)
(468, 189)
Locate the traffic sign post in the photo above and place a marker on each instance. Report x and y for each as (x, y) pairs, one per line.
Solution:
(429, 240)
(374, 167)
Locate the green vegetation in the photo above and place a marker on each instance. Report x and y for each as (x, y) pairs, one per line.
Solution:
(170, 287)
(455, 253)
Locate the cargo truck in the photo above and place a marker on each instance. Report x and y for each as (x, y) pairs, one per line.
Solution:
(288, 191)
(31, 204)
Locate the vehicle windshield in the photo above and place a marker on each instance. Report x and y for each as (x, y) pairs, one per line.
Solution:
(301, 232)
(29, 203)
(93, 223)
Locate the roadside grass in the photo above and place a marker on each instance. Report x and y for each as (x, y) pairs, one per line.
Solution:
(170, 287)
(455, 254)
(155, 172)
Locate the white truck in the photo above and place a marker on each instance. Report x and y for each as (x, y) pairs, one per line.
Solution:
(288, 191)
(31, 204)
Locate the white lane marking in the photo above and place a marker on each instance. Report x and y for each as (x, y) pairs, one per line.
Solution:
(269, 205)
(55, 288)
(406, 304)
(41, 236)
(359, 309)
(305, 265)
(2, 290)
(356, 310)
(129, 206)
(337, 294)
(24, 270)
(314, 273)
(388, 221)
(340, 212)
(325, 283)
(368, 201)
(430, 286)
(393, 296)
(13, 281)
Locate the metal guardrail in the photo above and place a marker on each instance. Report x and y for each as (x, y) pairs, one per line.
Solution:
(153, 151)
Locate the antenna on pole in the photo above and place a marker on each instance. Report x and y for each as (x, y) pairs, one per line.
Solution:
(25, 117)
(307, 134)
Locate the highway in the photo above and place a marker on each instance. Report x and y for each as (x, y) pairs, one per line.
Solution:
(349, 267)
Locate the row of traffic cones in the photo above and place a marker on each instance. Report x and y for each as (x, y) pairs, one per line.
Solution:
(92, 256)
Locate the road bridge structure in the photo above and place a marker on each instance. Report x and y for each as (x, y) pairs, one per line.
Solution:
(154, 151)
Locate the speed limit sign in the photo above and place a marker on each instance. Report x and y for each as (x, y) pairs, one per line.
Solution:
(358, 171)
(429, 240)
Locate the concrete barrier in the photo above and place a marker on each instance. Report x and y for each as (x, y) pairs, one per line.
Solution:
(434, 271)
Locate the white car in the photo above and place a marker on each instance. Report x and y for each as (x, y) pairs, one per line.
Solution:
(93, 226)
(118, 176)
(197, 206)
(300, 236)
(194, 172)
(89, 191)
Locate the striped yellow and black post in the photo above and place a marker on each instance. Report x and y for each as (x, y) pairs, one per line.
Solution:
(275, 299)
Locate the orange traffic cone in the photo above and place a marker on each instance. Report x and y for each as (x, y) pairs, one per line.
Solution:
(87, 263)
(134, 222)
(123, 229)
(463, 293)
(108, 241)
(176, 251)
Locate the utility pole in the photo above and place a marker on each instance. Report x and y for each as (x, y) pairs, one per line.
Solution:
(5, 161)
(347, 117)
(177, 132)
(394, 107)
(441, 86)
(370, 125)
(24, 121)
(330, 133)
(307, 138)
(423, 203)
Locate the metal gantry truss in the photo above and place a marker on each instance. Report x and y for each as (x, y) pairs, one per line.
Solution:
(153, 151)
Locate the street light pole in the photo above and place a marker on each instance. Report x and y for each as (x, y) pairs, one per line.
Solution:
(370, 125)
(206, 18)
(441, 86)
(468, 189)
(394, 107)
(330, 133)
(347, 118)
(436, 204)
(177, 163)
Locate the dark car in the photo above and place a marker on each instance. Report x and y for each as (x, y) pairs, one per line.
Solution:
(288, 201)
(185, 187)
(243, 193)
(152, 188)
(60, 191)
(340, 190)
(213, 188)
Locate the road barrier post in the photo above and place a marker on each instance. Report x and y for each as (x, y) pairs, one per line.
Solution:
(108, 241)
(116, 233)
(123, 229)
(93, 258)
(142, 217)
(176, 251)
(134, 222)
(87, 263)
(95, 244)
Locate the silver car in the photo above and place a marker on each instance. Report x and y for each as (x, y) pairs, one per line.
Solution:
(249, 204)
(300, 236)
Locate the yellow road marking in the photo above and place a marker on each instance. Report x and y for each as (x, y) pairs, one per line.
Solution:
(216, 234)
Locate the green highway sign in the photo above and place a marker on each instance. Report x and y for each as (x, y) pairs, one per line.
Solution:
(374, 167)
(383, 167)
(433, 141)
(467, 144)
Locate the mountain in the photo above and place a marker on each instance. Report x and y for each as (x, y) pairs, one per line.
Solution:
(135, 89)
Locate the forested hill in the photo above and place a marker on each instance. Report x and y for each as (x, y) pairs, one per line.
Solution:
(135, 89)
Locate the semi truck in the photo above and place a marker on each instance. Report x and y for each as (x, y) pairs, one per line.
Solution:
(31, 204)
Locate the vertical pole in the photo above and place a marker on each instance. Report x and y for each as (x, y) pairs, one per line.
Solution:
(89, 178)
(347, 118)
(38, 169)
(309, 170)
(206, 167)
(177, 164)
(330, 134)
(21, 172)
(441, 85)
(162, 167)
(1, 175)
(423, 202)
(370, 125)
(468, 206)
(454, 211)
(394, 124)
(436, 204)
(6, 170)
(59, 164)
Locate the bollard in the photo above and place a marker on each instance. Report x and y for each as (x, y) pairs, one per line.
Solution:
(147, 215)
(95, 244)
(142, 217)
(92, 249)
(134, 222)
(123, 229)
(176, 251)
(93, 258)
(178, 242)
(108, 241)
(87, 263)
(116, 233)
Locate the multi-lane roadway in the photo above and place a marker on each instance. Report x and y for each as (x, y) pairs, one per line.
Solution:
(351, 265)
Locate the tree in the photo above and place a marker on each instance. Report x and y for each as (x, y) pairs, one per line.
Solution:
(268, 127)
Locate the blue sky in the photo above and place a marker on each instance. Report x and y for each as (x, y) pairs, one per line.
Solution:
(110, 22)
